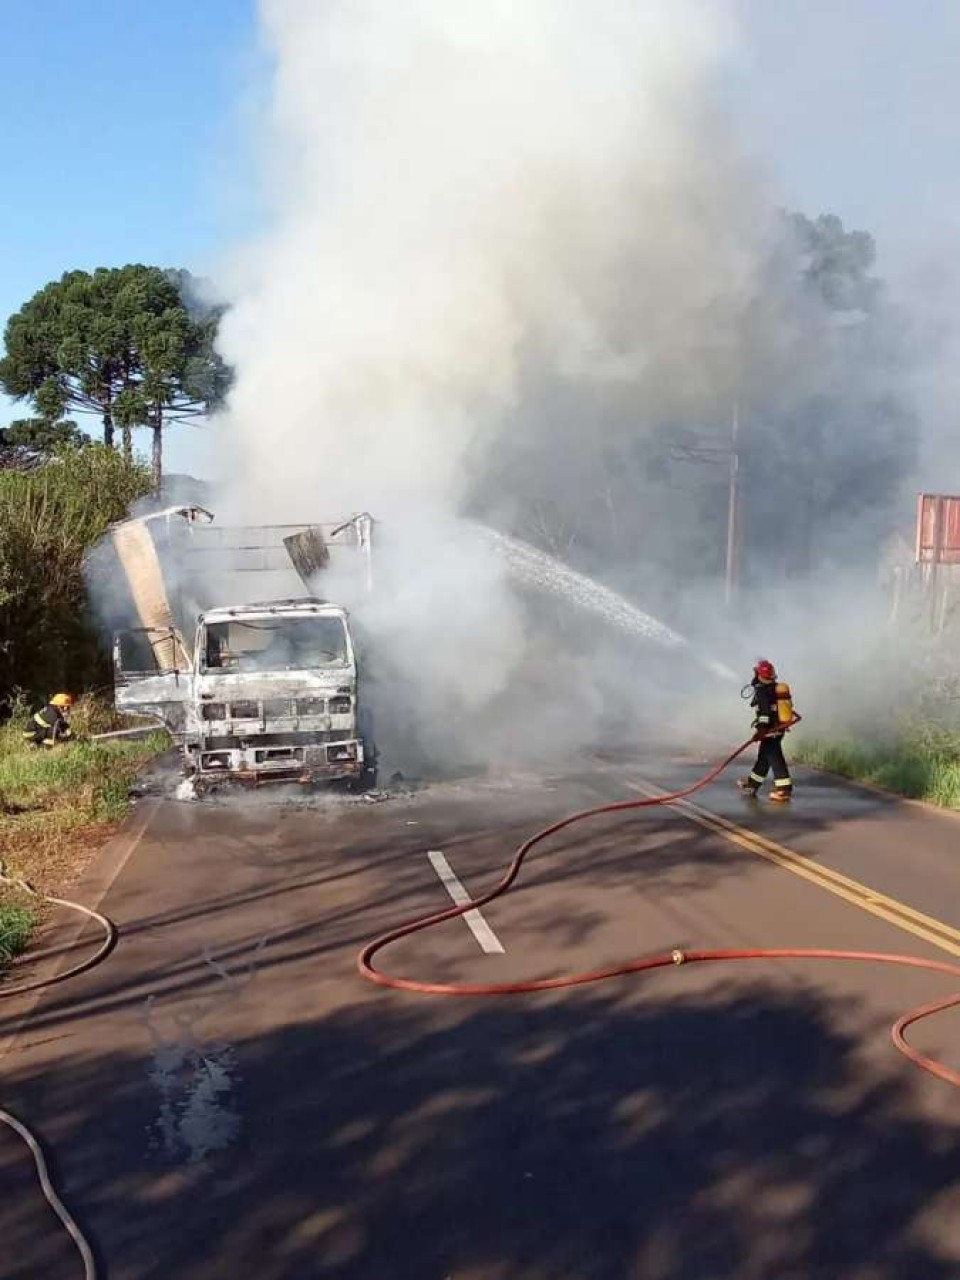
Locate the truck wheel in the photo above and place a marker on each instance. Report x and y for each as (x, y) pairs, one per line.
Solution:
(367, 781)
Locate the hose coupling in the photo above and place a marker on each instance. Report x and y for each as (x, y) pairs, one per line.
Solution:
(678, 956)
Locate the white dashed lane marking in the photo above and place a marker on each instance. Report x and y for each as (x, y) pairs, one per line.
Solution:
(486, 938)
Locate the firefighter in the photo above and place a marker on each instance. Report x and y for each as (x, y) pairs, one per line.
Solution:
(51, 725)
(770, 756)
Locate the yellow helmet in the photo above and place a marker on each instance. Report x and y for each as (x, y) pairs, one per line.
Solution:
(62, 700)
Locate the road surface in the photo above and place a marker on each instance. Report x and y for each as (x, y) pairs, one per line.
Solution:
(226, 1098)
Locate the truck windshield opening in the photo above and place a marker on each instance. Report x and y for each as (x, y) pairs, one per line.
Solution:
(274, 644)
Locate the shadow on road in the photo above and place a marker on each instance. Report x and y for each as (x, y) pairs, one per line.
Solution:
(703, 1136)
(630, 1133)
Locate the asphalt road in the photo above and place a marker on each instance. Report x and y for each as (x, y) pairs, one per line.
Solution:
(226, 1098)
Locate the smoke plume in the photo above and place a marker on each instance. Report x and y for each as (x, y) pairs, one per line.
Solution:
(461, 190)
(508, 245)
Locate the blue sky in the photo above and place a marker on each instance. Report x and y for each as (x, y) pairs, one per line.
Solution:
(121, 135)
(855, 105)
(117, 125)
(123, 129)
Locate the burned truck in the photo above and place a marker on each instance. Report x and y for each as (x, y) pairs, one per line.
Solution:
(259, 690)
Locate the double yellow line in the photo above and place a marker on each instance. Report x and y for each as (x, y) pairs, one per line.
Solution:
(935, 932)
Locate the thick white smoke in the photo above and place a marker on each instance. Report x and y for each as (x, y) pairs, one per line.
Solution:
(467, 196)
(451, 183)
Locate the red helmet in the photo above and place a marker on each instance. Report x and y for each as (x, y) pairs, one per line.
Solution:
(764, 670)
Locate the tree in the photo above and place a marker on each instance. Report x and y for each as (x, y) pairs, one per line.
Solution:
(41, 434)
(835, 262)
(129, 344)
(832, 434)
(809, 363)
(49, 518)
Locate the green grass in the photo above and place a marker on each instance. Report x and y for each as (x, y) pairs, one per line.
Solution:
(16, 925)
(56, 806)
(918, 765)
(75, 784)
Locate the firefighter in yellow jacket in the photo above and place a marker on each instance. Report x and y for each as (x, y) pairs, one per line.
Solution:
(769, 723)
(51, 725)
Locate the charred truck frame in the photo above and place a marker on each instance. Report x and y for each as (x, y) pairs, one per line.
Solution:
(268, 690)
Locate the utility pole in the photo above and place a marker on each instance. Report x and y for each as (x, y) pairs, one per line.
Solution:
(732, 497)
(730, 454)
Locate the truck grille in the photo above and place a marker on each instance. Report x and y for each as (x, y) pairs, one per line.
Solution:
(279, 739)
(275, 708)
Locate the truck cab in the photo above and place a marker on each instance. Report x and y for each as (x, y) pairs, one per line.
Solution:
(271, 693)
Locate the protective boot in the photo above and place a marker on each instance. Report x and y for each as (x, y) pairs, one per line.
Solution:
(780, 795)
(747, 786)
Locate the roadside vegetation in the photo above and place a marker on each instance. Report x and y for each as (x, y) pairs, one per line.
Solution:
(919, 763)
(17, 923)
(57, 805)
(49, 518)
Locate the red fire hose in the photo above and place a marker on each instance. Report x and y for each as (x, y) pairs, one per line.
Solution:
(660, 961)
(365, 966)
(107, 944)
